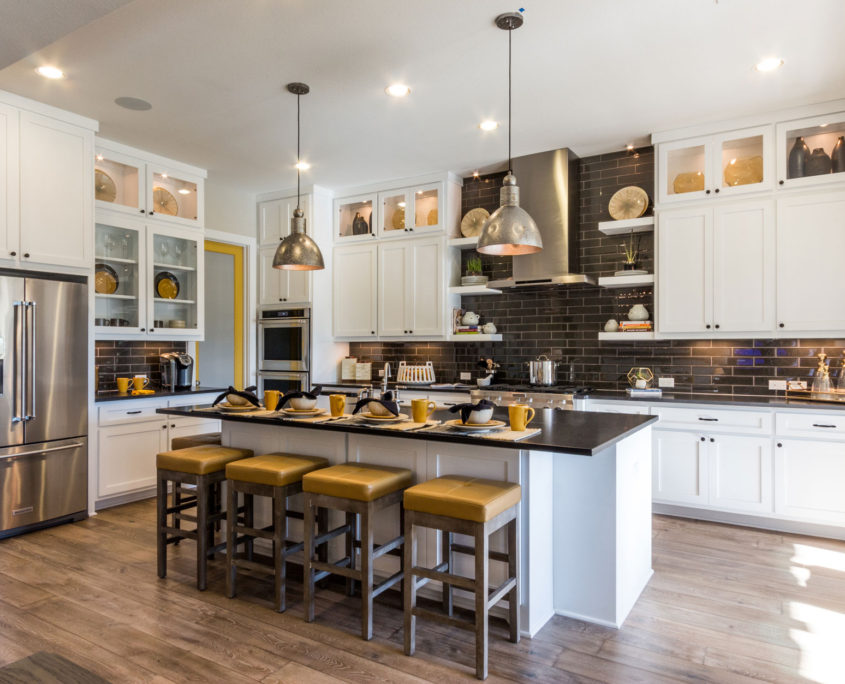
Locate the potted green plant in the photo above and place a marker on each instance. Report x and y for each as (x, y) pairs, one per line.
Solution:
(631, 253)
(473, 272)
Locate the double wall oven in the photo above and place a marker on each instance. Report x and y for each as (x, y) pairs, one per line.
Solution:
(284, 349)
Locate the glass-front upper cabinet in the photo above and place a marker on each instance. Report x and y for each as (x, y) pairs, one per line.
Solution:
(427, 207)
(743, 161)
(118, 277)
(811, 150)
(119, 182)
(176, 197)
(175, 279)
(684, 169)
(394, 212)
(355, 218)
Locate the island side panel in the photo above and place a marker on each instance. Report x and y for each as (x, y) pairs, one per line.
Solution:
(537, 540)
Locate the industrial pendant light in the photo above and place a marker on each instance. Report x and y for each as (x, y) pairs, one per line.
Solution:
(298, 252)
(509, 230)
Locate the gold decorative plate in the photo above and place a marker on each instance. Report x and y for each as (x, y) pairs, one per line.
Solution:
(105, 279)
(399, 219)
(432, 217)
(744, 171)
(691, 181)
(628, 203)
(470, 427)
(166, 285)
(104, 188)
(164, 202)
(473, 222)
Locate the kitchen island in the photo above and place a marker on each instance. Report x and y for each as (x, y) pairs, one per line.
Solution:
(585, 531)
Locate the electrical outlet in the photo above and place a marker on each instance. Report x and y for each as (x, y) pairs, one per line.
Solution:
(466, 376)
(797, 384)
(665, 382)
(777, 385)
(381, 373)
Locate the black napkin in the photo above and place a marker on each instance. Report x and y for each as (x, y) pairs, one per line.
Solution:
(248, 394)
(386, 400)
(298, 394)
(466, 409)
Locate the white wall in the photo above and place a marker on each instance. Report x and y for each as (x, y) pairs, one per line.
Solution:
(229, 209)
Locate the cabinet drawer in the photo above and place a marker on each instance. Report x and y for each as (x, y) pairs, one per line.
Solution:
(810, 425)
(117, 415)
(714, 420)
(617, 407)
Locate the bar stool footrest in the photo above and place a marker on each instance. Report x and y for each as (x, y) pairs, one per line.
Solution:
(499, 592)
(465, 583)
(395, 578)
(470, 551)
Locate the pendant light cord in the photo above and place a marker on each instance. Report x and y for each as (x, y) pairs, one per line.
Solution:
(297, 150)
(510, 163)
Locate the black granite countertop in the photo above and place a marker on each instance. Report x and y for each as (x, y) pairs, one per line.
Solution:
(114, 395)
(572, 432)
(713, 398)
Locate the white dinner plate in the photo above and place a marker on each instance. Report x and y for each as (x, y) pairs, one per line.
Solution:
(474, 427)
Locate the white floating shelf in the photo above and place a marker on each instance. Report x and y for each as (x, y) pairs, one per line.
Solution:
(633, 336)
(473, 290)
(114, 296)
(116, 260)
(644, 224)
(464, 242)
(161, 300)
(174, 267)
(627, 281)
(469, 337)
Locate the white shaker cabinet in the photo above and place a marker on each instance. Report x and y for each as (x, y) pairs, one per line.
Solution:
(809, 476)
(9, 182)
(277, 285)
(56, 187)
(410, 282)
(679, 467)
(354, 290)
(127, 456)
(740, 473)
(810, 245)
(394, 293)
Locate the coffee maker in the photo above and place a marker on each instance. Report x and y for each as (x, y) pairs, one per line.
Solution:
(177, 371)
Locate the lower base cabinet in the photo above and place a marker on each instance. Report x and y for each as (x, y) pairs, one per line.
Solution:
(810, 477)
(679, 469)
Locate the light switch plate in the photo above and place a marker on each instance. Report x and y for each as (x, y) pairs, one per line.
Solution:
(665, 382)
(381, 373)
(466, 376)
(777, 385)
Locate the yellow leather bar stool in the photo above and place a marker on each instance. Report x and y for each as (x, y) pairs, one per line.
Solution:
(278, 477)
(477, 508)
(361, 491)
(204, 468)
(212, 438)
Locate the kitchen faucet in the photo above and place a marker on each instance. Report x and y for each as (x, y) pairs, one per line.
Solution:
(385, 377)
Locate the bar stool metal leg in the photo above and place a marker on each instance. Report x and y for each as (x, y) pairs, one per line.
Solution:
(513, 571)
(161, 523)
(352, 523)
(482, 550)
(202, 533)
(307, 569)
(446, 539)
(409, 595)
(367, 573)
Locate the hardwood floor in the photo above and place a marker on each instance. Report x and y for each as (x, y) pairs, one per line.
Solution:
(726, 604)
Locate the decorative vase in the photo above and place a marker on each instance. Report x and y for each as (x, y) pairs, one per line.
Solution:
(798, 157)
(611, 326)
(359, 225)
(837, 157)
(629, 266)
(489, 328)
(638, 313)
(819, 163)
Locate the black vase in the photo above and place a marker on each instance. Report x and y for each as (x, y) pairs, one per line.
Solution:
(359, 225)
(798, 157)
(837, 157)
(818, 164)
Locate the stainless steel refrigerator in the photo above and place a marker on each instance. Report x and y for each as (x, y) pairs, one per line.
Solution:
(43, 400)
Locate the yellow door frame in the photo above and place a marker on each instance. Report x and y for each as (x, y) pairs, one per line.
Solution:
(238, 252)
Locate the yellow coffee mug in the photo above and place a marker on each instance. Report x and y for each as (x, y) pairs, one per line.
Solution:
(337, 403)
(122, 385)
(421, 409)
(271, 399)
(139, 382)
(520, 416)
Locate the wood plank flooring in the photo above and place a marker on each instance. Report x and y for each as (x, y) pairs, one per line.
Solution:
(726, 604)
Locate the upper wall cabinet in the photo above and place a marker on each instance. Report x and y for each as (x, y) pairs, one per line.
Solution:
(720, 165)
(9, 182)
(277, 286)
(132, 181)
(811, 150)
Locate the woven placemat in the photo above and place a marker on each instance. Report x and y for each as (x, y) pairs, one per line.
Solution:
(407, 425)
(510, 435)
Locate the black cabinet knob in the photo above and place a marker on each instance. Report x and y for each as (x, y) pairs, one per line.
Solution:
(152, 329)
(411, 331)
(13, 253)
(151, 213)
(707, 326)
(706, 192)
(26, 255)
(780, 182)
(780, 444)
(411, 229)
(717, 326)
(142, 329)
(164, 427)
(142, 211)
(780, 325)
(702, 439)
(716, 190)
(712, 440)
(173, 425)
(372, 332)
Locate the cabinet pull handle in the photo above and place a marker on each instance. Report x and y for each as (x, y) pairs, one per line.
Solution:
(133, 413)
(822, 425)
(173, 425)
(709, 420)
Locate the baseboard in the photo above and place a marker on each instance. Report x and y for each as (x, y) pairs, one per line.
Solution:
(586, 618)
(121, 499)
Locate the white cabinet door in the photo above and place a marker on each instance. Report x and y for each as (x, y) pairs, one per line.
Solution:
(395, 297)
(740, 473)
(56, 192)
(685, 286)
(680, 467)
(9, 184)
(274, 220)
(743, 267)
(354, 284)
(269, 278)
(683, 170)
(810, 245)
(296, 287)
(185, 427)
(809, 479)
(425, 285)
(126, 456)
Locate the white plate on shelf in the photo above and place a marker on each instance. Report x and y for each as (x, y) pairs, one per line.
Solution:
(475, 427)
(373, 418)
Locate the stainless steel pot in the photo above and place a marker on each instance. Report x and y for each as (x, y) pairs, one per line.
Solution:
(543, 371)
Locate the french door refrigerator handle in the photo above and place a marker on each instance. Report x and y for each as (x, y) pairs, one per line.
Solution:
(30, 361)
(39, 452)
(18, 352)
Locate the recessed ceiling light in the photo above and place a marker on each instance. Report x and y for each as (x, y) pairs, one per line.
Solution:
(184, 191)
(136, 104)
(488, 125)
(398, 90)
(50, 72)
(302, 165)
(769, 64)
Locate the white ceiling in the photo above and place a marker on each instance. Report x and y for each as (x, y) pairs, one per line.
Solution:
(592, 75)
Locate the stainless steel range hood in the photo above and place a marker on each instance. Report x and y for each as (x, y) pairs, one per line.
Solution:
(548, 190)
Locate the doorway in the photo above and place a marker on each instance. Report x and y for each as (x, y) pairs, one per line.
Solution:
(220, 357)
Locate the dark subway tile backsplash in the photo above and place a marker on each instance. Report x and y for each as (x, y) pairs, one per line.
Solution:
(127, 358)
(563, 322)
